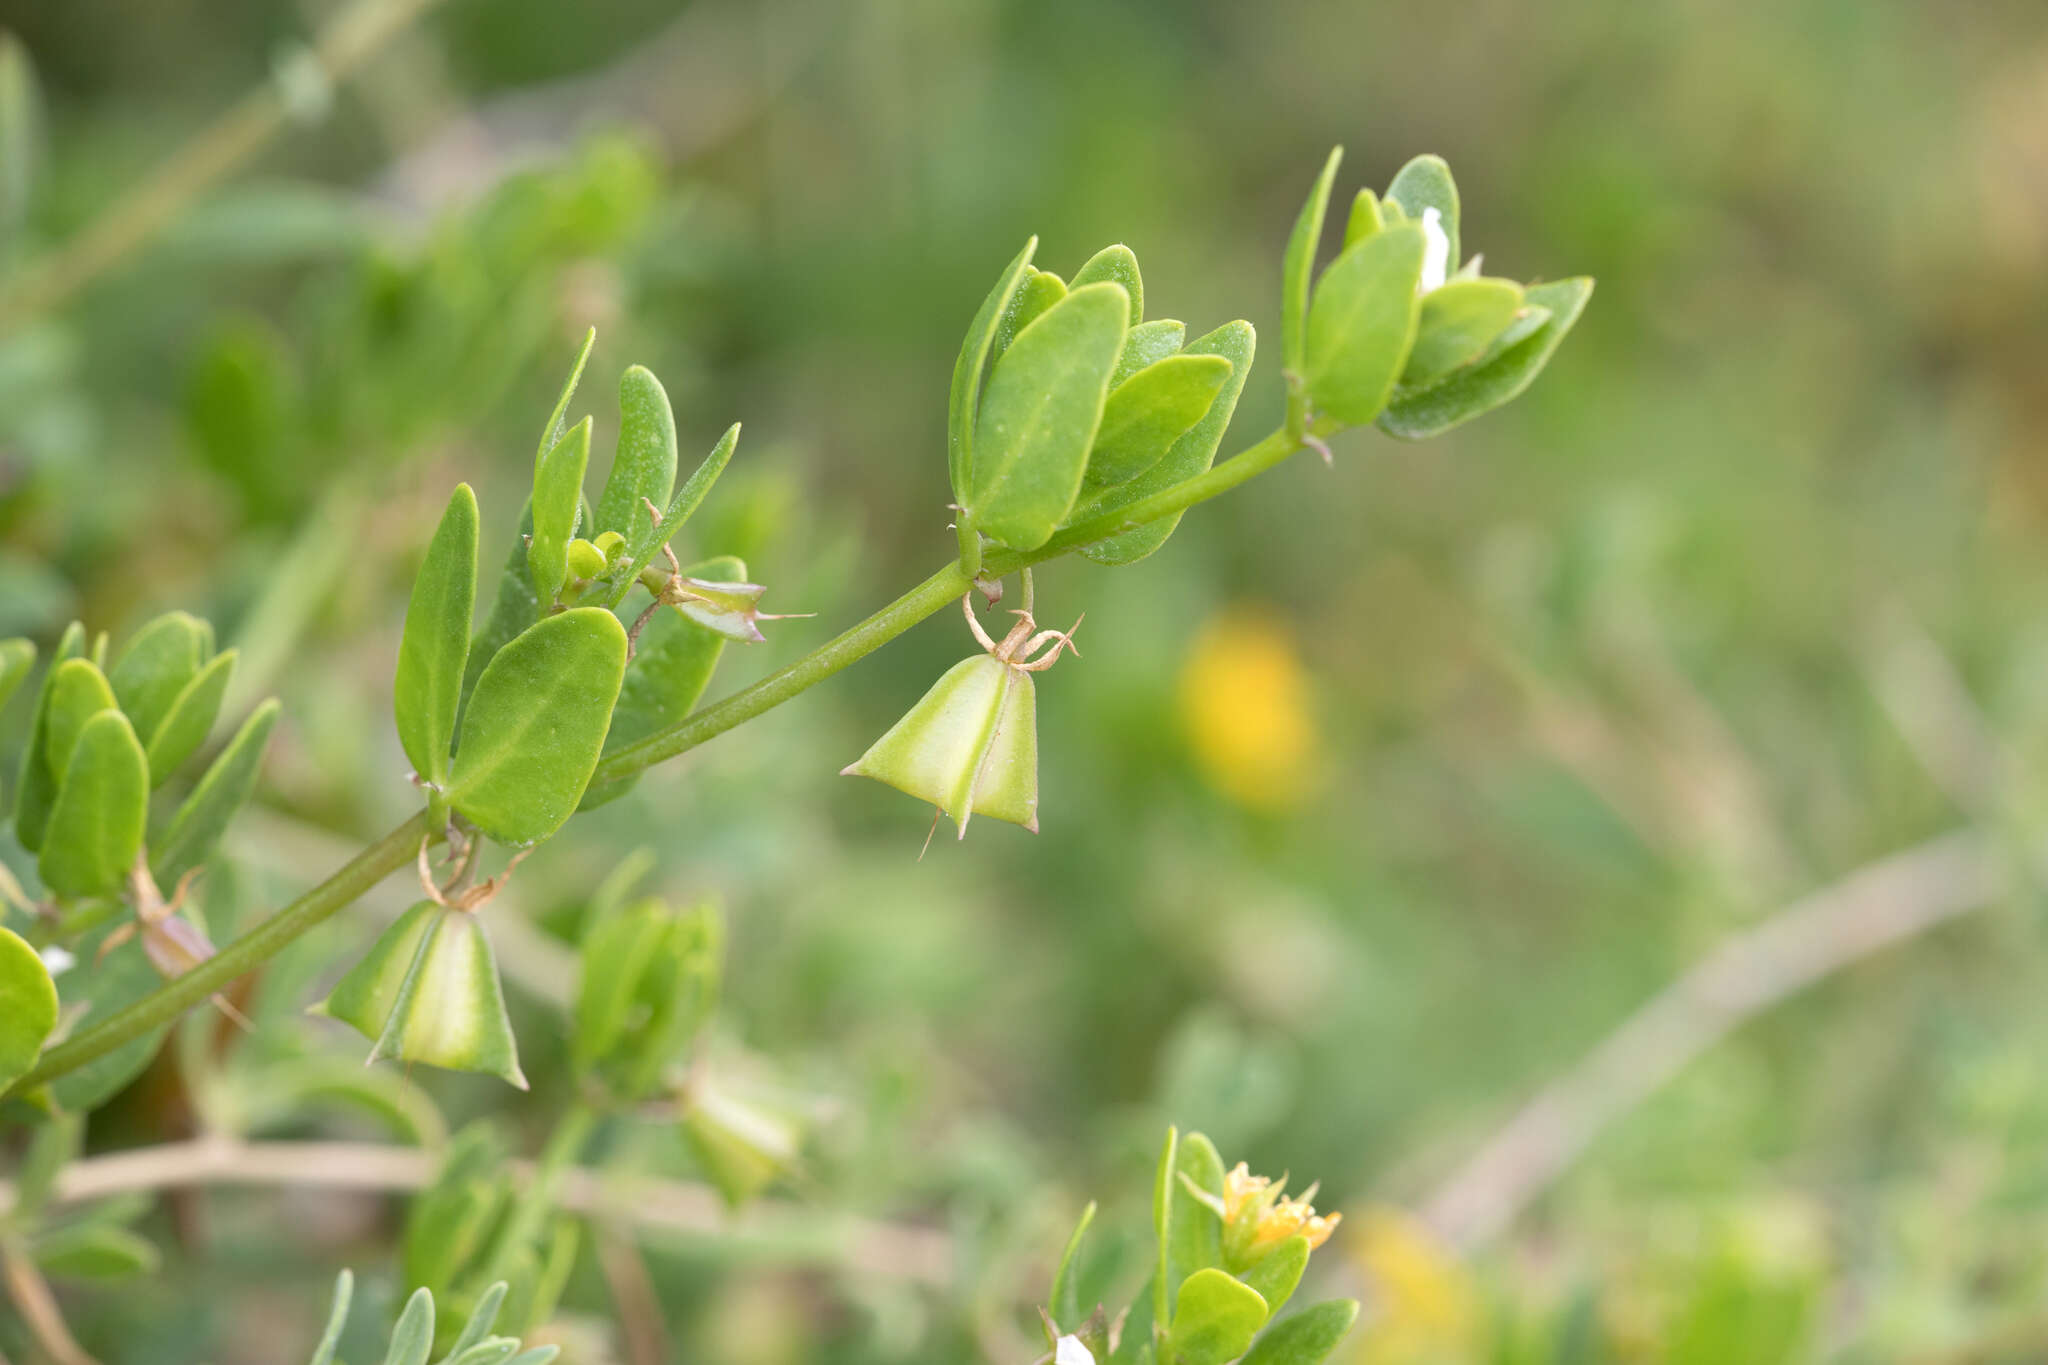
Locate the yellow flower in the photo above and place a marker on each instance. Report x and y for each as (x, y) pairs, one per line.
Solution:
(1424, 1307)
(1256, 1216)
(1245, 703)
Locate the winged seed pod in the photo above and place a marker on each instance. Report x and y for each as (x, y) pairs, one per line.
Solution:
(428, 991)
(971, 743)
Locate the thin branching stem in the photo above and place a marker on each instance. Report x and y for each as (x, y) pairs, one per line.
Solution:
(401, 846)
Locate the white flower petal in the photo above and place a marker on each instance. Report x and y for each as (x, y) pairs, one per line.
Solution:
(1436, 252)
(56, 961)
(1070, 1351)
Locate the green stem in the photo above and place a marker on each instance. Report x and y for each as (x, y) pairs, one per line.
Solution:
(401, 845)
(265, 941)
(565, 1145)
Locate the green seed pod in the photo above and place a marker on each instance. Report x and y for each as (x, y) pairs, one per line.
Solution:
(427, 991)
(971, 743)
(742, 1144)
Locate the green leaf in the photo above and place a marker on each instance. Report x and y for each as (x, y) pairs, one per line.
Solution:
(413, 1338)
(1215, 1318)
(28, 1007)
(1065, 1299)
(36, 790)
(102, 806)
(155, 667)
(1116, 264)
(644, 468)
(641, 552)
(557, 504)
(1147, 344)
(1299, 267)
(1365, 219)
(969, 746)
(1043, 407)
(190, 719)
(17, 657)
(96, 1251)
(1425, 183)
(450, 1221)
(1362, 325)
(1456, 324)
(1308, 1337)
(481, 1319)
(1192, 454)
(426, 689)
(552, 432)
(450, 1007)
(1196, 1239)
(1040, 290)
(337, 1318)
(227, 786)
(78, 692)
(513, 609)
(1163, 1181)
(536, 725)
(103, 983)
(668, 674)
(1494, 379)
(1276, 1273)
(1148, 412)
(965, 399)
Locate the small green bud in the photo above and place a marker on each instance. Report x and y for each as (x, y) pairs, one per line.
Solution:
(586, 560)
(650, 980)
(610, 544)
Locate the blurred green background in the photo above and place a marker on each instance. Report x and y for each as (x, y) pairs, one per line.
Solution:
(1383, 793)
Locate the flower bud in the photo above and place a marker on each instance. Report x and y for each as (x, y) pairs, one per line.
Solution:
(731, 609)
(587, 560)
(428, 991)
(650, 979)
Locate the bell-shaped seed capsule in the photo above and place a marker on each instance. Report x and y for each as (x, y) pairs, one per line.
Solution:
(969, 746)
(428, 991)
(742, 1145)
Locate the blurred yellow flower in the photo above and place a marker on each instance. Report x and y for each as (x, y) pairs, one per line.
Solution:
(1256, 1215)
(1244, 701)
(1423, 1308)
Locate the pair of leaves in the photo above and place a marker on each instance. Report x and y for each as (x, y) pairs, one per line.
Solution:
(537, 717)
(170, 684)
(412, 1337)
(428, 991)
